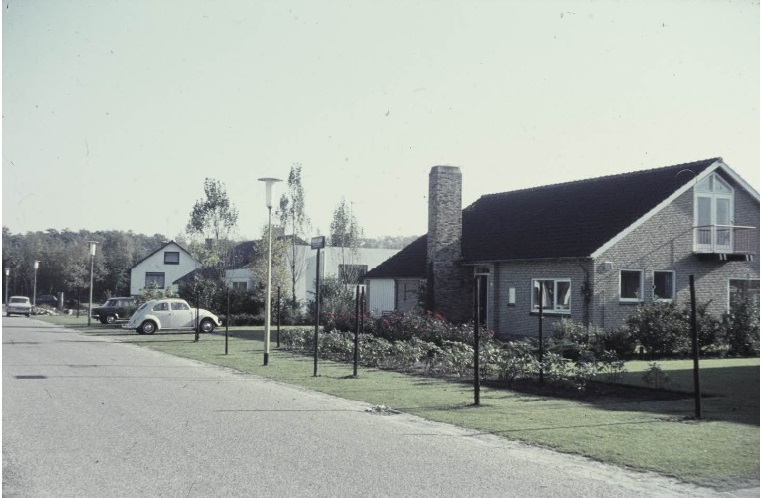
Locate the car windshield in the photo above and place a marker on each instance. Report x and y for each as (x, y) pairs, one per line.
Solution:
(19, 299)
(111, 302)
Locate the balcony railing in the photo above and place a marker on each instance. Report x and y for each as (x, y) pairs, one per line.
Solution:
(726, 239)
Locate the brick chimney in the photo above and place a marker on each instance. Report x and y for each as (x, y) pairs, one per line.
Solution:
(448, 286)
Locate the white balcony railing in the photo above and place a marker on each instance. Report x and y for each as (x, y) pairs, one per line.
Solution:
(727, 239)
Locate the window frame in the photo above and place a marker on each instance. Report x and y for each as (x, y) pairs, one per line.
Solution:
(155, 274)
(729, 287)
(641, 297)
(554, 309)
(168, 262)
(673, 287)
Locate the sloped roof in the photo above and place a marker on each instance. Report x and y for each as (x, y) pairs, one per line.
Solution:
(407, 263)
(160, 248)
(571, 219)
(567, 219)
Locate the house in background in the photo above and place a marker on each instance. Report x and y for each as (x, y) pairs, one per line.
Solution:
(162, 268)
(589, 250)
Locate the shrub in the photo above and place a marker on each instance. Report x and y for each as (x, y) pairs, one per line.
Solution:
(740, 328)
(654, 376)
(660, 328)
(620, 341)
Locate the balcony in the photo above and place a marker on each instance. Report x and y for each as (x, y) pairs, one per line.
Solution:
(726, 240)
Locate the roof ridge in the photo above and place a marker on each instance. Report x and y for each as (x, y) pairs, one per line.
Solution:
(603, 177)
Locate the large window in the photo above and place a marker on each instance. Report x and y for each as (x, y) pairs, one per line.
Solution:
(154, 278)
(554, 294)
(663, 285)
(171, 258)
(631, 286)
(714, 212)
(743, 288)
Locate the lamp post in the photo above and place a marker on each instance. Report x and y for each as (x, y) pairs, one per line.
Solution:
(93, 244)
(269, 183)
(7, 277)
(34, 287)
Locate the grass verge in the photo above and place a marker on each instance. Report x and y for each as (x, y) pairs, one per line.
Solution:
(652, 433)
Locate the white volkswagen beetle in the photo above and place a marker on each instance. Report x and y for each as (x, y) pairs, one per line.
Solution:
(170, 314)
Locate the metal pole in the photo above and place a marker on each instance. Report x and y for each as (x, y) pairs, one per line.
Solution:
(268, 303)
(477, 342)
(227, 320)
(356, 332)
(7, 278)
(89, 303)
(278, 316)
(34, 290)
(197, 315)
(541, 332)
(695, 351)
(317, 312)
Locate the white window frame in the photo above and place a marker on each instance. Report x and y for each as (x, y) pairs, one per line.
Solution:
(673, 286)
(554, 308)
(729, 283)
(641, 297)
(715, 230)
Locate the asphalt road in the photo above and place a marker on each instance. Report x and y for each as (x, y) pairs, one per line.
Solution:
(87, 416)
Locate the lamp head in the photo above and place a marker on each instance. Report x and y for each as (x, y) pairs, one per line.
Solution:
(93, 244)
(269, 183)
(36, 264)
(7, 271)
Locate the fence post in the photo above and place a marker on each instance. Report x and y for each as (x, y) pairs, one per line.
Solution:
(695, 351)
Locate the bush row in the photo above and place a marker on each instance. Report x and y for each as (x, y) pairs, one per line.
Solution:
(507, 362)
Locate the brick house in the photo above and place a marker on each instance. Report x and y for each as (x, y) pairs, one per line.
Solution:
(588, 250)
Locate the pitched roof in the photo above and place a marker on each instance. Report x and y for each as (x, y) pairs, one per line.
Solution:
(160, 248)
(407, 263)
(568, 219)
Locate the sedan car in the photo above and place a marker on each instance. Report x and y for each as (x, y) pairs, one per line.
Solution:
(46, 300)
(18, 305)
(115, 308)
(170, 314)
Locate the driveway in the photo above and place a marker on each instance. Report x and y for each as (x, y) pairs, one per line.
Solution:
(86, 416)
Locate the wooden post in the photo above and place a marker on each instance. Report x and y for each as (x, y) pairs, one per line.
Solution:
(695, 351)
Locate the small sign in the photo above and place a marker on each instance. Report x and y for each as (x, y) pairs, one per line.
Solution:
(318, 242)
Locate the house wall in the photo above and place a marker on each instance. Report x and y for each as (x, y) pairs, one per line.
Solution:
(510, 319)
(665, 242)
(407, 294)
(155, 264)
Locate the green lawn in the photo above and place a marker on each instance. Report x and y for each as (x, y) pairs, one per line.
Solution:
(655, 434)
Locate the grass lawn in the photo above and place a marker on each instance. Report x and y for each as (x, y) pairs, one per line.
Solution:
(654, 433)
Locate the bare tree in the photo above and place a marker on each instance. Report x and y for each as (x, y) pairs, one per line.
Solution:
(346, 233)
(293, 219)
(215, 219)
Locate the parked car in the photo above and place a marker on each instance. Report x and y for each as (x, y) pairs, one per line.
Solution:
(19, 305)
(170, 314)
(47, 300)
(115, 308)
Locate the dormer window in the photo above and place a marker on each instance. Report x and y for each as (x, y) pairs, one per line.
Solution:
(714, 215)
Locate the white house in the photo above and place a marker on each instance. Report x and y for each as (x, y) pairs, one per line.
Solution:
(162, 267)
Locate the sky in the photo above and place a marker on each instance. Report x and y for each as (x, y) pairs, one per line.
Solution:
(114, 112)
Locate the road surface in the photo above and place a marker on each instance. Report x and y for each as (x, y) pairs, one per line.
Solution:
(89, 416)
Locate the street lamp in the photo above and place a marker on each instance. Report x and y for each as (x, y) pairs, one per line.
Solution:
(269, 183)
(7, 276)
(34, 288)
(93, 244)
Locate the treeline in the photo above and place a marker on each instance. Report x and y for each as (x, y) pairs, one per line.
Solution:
(64, 261)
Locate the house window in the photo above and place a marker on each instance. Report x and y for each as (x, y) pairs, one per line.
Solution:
(156, 279)
(351, 274)
(743, 288)
(240, 286)
(171, 258)
(663, 285)
(631, 286)
(554, 294)
(714, 215)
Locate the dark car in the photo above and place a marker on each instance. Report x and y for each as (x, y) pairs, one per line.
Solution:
(116, 308)
(46, 300)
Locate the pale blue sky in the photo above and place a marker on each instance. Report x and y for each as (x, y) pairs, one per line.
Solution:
(114, 112)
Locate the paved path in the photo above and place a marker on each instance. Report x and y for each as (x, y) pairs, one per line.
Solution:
(86, 416)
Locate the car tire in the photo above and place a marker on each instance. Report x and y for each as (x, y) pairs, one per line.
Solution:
(27, 315)
(110, 319)
(148, 327)
(207, 326)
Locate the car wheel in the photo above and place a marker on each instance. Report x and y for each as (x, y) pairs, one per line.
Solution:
(27, 315)
(207, 326)
(148, 327)
(8, 314)
(110, 318)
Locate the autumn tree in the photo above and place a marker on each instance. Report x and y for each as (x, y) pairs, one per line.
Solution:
(346, 233)
(280, 268)
(213, 218)
(295, 223)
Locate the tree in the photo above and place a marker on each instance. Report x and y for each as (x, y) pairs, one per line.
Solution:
(215, 219)
(280, 270)
(346, 233)
(293, 219)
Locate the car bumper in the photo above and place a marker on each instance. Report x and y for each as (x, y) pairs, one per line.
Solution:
(19, 309)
